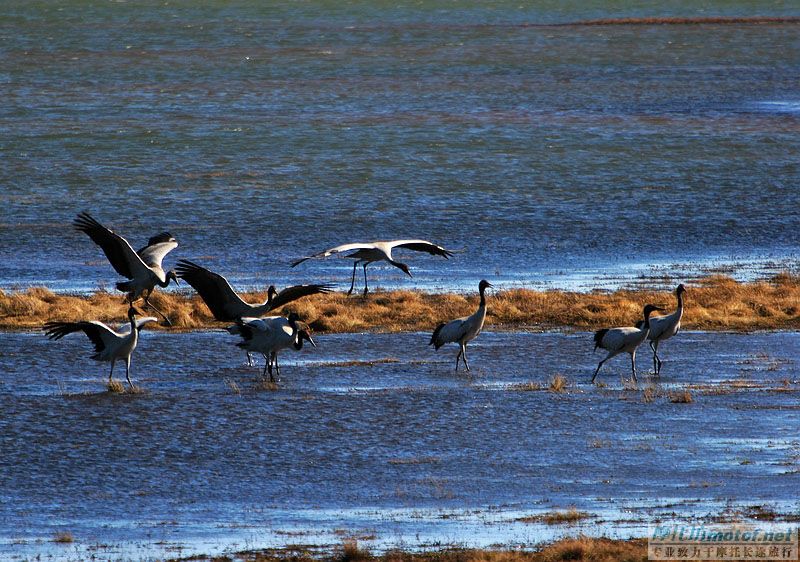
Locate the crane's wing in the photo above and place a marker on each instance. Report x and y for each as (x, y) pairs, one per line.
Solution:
(421, 246)
(157, 247)
(290, 294)
(449, 332)
(264, 327)
(101, 335)
(617, 338)
(336, 250)
(140, 322)
(214, 289)
(125, 261)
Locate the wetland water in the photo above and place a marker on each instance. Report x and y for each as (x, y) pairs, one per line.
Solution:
(573, 156)
(373, 435)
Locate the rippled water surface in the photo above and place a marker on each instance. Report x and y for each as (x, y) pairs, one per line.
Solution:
(257, 133)
(375, 436)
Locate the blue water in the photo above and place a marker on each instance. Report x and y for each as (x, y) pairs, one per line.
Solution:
(374, 435)
(543, 155)
(547, 156)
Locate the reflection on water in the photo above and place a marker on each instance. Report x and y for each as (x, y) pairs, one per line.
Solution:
(375, 435)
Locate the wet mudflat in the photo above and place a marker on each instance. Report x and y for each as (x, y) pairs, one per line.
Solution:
(374, 436)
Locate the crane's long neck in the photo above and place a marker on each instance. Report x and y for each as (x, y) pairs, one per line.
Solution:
(134, 331)
(679, 310)
(165, 283)
(483, 299)
(646, 326)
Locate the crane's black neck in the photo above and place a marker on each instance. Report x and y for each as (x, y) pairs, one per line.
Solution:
(165, 283)
(483, 296)
(680, 300)
(646, 325)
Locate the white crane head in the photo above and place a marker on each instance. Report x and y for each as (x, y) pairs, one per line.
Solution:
(304, 334)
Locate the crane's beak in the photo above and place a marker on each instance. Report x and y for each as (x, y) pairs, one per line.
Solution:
(311, 341)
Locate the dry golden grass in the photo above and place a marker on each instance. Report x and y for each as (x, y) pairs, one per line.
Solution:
(64, 537)
(115, 387)
(558, 383)
(571, 515)
(580, 549)
(681, 397)
(712, 303)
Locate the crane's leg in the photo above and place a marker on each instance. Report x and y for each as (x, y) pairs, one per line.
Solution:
(275, 362)
(112, 369)
(458, 357)
(353, 280)
(164, 316)
(267, 367)
(633, 364)
(657, 359)
(598, 369)
(607, 357)
(464, 355)
(128, 371)
(366, 289)
(249, 359)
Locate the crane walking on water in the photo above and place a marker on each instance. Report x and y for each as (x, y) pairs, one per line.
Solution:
(109, 345)
(462, 330)
(142, 268)
(366, 253)
(664, 327)
(624, 340)
(270, 335)
(227, 306)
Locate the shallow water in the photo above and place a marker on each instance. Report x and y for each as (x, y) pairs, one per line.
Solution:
(547, 156)
(374, 436)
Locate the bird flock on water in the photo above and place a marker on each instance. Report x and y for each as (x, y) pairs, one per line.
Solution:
(270, 334)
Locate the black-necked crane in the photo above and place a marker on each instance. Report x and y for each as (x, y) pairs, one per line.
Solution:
(142, 268)
(226, 305)
(270, 335)
(366, 253)
(109, 345)
(664, 327)
(462, 330)
(623, 340)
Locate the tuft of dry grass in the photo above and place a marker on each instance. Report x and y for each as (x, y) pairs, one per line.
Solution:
(681, 397)
(351, 552)
(115, 387)
(567, 517)
(576, 549)
(525, 386)
(233, 386)
(649, 394)
(267, 385)
(558, 383)
(63, 537)
(712, 303)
